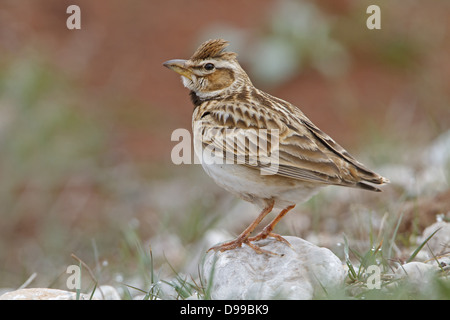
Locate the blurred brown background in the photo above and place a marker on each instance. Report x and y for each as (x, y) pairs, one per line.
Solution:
(86, 115)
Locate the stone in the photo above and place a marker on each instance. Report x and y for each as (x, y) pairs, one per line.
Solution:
(101, 293)
(439, 243)
(418, 274)
(106, 293)
(302, 271)
(42, 294)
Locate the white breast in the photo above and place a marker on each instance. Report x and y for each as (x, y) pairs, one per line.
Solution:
(250, 185)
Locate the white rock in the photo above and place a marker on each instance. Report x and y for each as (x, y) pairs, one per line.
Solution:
(106, 293)
(299, 272)
(436, 159)
(42, 294)
(101, 293)
(440, 241)
(438, 153)
(418, 274)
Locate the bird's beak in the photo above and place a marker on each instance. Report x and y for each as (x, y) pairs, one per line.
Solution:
(179, 66)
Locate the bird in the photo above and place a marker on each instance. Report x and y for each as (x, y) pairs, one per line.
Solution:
(228, 116)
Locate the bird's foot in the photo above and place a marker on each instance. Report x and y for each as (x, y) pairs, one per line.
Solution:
(265, 233)
(230, 245)
(237, 243)
(234, 244)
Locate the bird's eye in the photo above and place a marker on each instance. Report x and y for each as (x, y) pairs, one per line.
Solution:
(208, 66)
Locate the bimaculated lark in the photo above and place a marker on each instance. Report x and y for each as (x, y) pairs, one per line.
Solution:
(284, 157)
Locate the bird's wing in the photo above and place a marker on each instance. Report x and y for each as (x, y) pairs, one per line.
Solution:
(280, 143)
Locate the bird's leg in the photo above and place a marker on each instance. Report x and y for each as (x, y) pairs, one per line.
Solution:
(267, 231)
(243, 237)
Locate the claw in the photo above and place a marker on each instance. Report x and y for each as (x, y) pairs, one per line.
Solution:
(280, 238)
(228, 245)
(238, 243)
(259, 250)
(263, 235)
(248, 241)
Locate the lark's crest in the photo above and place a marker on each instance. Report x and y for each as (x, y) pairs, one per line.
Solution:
(213, 49)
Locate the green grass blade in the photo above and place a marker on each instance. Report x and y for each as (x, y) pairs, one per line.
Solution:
(93, 291)
(394, 236)
(351, 270)
(414, 254)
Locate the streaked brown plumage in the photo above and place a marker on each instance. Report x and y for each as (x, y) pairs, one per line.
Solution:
(225, 104)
